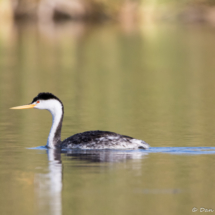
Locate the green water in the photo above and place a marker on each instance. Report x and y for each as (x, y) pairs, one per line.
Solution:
(154, 83)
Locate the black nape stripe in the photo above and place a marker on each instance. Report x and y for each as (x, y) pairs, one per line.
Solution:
(45, 96)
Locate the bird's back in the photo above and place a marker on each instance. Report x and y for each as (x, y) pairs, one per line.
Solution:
(102, 140)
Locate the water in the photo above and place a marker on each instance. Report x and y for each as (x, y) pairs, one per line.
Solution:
(154, 83)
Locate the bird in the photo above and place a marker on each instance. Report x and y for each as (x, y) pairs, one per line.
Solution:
(86, 140)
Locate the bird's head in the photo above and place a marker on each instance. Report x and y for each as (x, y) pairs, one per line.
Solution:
(46, 101)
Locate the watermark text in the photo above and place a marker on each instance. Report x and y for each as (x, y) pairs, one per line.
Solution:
(202, 209)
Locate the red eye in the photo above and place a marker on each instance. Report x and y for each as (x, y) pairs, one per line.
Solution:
(38, 102)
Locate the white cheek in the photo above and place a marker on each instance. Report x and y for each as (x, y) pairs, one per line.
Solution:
(51, 105)
(40, 105)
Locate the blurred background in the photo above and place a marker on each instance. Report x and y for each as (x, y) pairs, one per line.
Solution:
(142, 68)
(101, 10)
(131, 66)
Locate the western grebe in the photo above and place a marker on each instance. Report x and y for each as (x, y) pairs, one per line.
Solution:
(85, 140)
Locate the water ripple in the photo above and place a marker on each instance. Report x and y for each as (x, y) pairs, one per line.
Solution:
(182, 150)
(171, 150)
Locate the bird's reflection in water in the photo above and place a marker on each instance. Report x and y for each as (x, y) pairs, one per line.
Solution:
(111, 156)
(49, 185)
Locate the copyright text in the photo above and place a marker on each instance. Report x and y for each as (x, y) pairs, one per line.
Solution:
(202, 209)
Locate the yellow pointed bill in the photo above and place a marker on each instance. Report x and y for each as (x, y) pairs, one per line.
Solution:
(24, 106)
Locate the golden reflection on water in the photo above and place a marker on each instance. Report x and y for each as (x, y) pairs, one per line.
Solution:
(156, 84)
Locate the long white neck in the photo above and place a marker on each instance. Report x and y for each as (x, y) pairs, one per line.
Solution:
(56, 109)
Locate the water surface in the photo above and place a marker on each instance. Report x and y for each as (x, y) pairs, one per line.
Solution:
(154, 83)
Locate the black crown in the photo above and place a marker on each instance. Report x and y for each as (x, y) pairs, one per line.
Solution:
(45, 96)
